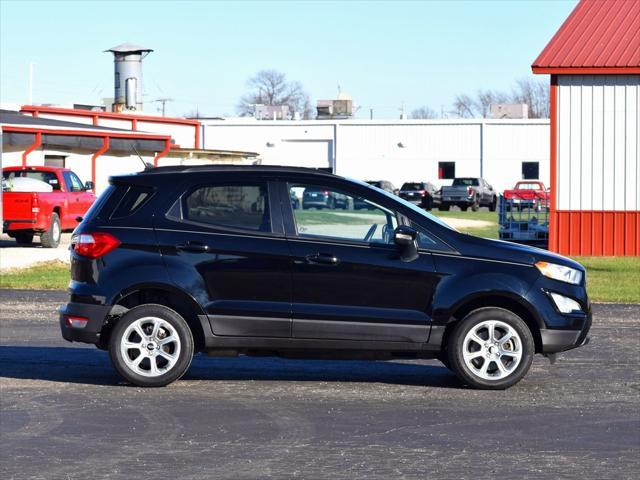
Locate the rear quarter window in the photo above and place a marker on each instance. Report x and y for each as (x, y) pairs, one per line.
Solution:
(132, 200)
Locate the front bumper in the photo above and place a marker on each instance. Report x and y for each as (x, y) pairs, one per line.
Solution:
(561, 331)
(554, 341)
(96, 315)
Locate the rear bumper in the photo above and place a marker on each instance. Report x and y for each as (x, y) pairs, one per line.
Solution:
(19, 224)
(96, 315)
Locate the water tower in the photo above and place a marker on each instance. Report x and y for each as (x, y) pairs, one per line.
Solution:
(127, 59)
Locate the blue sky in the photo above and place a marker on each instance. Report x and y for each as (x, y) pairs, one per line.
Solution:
(382, 53)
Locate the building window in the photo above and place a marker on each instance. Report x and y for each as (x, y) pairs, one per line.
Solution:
(530, 170)
(446, 170)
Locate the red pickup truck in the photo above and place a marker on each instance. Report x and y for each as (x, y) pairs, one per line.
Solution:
(528, 194)
(43, 213)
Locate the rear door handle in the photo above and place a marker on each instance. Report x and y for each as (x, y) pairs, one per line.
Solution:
(196, 247)
(324, 258)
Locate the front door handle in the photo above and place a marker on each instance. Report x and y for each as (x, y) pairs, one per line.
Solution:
(196, 247)
(324, 258)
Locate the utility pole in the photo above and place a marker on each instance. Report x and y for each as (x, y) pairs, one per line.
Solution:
(163, 101)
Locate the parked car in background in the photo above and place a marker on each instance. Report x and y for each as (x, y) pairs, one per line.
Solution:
(423, 194)
(468, 192)
(41, 212)
(528, 194)
(385, 185)
(320, 198)
(231, 269)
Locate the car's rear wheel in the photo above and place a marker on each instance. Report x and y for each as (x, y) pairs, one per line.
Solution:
(491, 348)
(475, 206)
(151, 346)
(493, 205)
(51, 238)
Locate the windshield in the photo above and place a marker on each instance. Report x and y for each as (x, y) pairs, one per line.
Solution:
(465, 182)
(412, 186)
(409, 205)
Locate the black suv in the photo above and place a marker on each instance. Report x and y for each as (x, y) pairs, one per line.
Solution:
(177, 260)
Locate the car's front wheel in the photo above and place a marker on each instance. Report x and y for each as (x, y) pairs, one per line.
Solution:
(491, 348)
(151, 346)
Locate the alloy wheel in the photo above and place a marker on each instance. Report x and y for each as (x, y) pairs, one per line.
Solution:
(150, 346)
(492, 350)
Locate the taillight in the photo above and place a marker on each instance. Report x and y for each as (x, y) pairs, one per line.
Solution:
(422, 192)
(35, 203)
(94, 245)
(470, 191)
(325, 192)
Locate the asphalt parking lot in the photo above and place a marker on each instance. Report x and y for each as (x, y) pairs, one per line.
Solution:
(66, 415)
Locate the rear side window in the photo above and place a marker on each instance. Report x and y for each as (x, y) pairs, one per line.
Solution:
(238, 206)
(132, 200)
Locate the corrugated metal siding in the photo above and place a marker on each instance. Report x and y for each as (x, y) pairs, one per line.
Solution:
(598, 143)
(597, 233)
(597, 34)
(370, 150)
(596, 120)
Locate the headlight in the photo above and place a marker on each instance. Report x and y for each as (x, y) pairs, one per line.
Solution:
(565, 304)
(560, 272)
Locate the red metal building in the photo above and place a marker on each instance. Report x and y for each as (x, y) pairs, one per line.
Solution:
(594, 63)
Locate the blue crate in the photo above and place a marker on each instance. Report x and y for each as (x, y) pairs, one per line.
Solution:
(523, 222)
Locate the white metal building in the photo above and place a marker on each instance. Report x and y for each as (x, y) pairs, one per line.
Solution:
(594, 62)
(502, 151)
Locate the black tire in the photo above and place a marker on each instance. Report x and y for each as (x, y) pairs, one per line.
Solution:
(51, 238)
(493, 205)
(475, 206)
(182, 331)
(23, 238)
(428, 204)
(456, 349)
(464, 208)
(444, 208)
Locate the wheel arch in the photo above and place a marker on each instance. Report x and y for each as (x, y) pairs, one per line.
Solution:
(505, 300)
(162, 294)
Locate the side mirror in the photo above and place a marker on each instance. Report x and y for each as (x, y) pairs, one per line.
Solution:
(406, 239)
(88, 186)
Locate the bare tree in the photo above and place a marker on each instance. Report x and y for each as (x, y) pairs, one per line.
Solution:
(423, 112)
(484, 100)
(270, 87)
(534, 93)
(464, 107)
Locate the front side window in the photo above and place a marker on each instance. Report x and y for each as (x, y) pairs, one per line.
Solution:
(325, 212)
(229, 206)
(73, 182)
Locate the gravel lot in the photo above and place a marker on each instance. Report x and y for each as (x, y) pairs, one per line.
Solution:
(66, 415)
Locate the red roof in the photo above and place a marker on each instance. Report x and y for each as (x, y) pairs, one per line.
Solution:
(599, 37)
